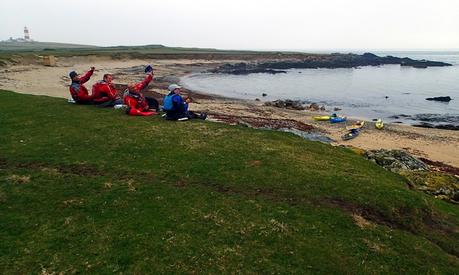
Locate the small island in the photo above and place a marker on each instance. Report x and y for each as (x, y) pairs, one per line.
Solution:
(330, 61)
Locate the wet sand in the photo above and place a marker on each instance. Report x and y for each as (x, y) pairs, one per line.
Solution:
(433, 144)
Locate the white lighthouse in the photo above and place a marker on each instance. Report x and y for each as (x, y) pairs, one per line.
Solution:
(26, 34)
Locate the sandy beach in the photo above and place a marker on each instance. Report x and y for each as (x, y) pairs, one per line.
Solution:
(433, 144)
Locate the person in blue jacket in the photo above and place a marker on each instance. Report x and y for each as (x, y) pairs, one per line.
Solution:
(176, 107)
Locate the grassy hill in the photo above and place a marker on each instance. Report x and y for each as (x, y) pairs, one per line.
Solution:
(84, 189)
(17, 54)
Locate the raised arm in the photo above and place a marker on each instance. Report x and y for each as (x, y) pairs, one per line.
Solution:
(84, 78)
(141, 85)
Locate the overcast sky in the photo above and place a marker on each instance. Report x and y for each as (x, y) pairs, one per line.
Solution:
(239, 24)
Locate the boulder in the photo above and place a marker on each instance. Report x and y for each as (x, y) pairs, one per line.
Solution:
(396, 160)
(440, 98)
(287, 104)
(314, 107)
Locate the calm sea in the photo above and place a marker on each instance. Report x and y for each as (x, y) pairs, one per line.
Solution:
(366, 92)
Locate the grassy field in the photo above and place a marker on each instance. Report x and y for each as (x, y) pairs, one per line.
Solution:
(17, 55)
(35, 45)
(84, 189)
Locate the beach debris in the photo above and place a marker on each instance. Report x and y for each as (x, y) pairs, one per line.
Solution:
(386, 97)
(396, 160)
(440, 98)
(257, 99)
(264, 94)
(336, 109)
(286, 104)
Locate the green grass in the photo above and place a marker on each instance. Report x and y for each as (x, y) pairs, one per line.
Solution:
(84, 189)
(13, 55)
(36, 45)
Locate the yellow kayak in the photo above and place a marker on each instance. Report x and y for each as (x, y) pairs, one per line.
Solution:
(322, 118)
(379, 124)
(357, 125)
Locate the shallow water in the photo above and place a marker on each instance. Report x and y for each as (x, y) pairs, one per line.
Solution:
(366, 92)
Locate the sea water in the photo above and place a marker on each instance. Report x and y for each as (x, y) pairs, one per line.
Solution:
(391, 92)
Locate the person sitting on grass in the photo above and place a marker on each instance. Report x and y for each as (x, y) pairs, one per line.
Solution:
(138, 104)
(104, 93)
(78, 91)
(176, 108)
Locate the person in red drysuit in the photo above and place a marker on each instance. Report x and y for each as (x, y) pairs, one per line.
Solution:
(104, 93)
(78, 91)
(138, 104)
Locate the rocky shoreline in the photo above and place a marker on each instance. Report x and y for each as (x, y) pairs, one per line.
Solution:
(332, 61)
(437, 121)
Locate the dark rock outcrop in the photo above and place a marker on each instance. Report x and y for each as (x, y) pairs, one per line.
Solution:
(288, 104)
(440, 98)
(314, 107)
(438, 121)
(438, 126)
(396, 160)
(244, 69)
(331, 61)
